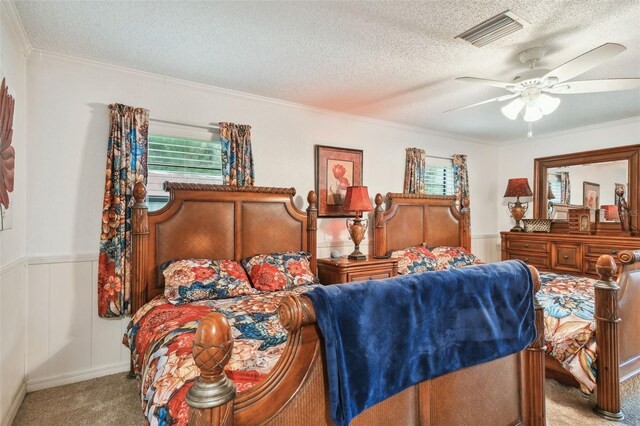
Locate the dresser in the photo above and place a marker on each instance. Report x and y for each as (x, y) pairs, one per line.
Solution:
(564, 253)
(345, 270)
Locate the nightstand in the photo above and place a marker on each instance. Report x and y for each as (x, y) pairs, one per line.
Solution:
(345, 270)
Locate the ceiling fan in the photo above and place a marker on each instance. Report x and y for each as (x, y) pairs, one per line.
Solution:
(529, 89)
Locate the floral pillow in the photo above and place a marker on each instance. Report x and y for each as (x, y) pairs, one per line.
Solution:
(190, 280)
(454, 257)
(414, 260)
(277, 271)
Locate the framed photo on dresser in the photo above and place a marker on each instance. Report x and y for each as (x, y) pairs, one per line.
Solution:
(336, 169)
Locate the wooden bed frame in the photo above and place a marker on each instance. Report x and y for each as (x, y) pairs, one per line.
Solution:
(617, 303)
(208, 221)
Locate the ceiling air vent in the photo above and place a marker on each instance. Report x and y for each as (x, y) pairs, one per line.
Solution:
(493, 29)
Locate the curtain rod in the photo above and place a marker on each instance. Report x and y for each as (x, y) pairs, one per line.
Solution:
(177, 123)
(441, 158)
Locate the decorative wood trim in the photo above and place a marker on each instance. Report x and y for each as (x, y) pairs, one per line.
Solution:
(312, 229)
(395, 195)
(179, 186)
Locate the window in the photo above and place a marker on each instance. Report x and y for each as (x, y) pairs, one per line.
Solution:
(438, 176)
(555, 183)
(181, 154)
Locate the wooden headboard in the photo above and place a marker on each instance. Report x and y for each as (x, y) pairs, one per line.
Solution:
(413, 219)
(215, 222)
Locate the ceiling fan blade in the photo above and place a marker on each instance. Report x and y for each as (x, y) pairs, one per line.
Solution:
(498, 99)
(586, 61)
(484, 81)
(593, 86)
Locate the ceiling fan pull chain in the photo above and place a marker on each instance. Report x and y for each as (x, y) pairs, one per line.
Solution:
(530, 132)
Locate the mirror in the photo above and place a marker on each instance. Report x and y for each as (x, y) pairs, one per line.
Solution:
(588, 179)
(586, 185)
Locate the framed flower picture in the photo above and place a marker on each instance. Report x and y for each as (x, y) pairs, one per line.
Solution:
(336, 169)
(591, 195)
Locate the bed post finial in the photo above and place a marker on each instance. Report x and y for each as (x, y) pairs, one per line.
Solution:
(534, 364)
(607, 322)
(312, 229)
(140, 237)
(379, 235)
(211, 397)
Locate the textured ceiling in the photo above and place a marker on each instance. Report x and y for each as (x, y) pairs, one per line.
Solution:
(393, 61)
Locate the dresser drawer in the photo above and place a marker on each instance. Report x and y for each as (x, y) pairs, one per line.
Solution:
(368, 276)
(537, 260)
(595, 250)
(566, 257)
(524, 245)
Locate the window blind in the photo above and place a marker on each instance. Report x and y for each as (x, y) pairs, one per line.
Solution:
(180, 160)
(555, 181)
(438, 176)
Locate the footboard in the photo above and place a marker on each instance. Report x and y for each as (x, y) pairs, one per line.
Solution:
(295, 392)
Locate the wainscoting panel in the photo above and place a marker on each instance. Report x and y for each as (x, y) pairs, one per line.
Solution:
(13, 326)
(68, 342)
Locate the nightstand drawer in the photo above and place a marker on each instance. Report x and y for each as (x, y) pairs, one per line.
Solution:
(540, 246)
(566, 257)
(368, 276)
(344, 270)
(597, 250)
(537, 260)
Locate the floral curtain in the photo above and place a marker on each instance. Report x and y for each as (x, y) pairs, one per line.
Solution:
(126, 165)
(414, 171)
(461, 179)
(565, 188)
(237, 158)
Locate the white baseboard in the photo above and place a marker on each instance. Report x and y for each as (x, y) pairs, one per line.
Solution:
(15, 405)
(78, 376)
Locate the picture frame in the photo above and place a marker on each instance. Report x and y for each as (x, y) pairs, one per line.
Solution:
(591, 195)
(335, 169)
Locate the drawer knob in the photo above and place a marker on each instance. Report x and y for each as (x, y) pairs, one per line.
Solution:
(614, 251)
(526, 259)
(566, 257)
(526, 245)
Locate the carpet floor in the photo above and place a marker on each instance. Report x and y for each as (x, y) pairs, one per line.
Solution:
(114, 400)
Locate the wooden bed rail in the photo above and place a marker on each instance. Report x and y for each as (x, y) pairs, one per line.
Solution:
(211, 398)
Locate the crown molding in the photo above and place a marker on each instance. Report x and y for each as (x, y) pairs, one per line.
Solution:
(42, 54)
(8, 7)
(591, 127)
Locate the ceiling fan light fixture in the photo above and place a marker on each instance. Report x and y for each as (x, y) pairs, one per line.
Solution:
(547, 103)
(513, 108)
(532, 112)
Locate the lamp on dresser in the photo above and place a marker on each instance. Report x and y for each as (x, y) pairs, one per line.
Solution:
(518, 187)
(357, 200)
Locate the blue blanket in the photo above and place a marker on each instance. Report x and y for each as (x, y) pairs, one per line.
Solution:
(383, 336)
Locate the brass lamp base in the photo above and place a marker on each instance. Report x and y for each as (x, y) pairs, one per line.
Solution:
(518, 210)
(357, 228)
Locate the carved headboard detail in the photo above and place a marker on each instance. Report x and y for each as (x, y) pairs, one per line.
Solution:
(215, 222)
(412, 219)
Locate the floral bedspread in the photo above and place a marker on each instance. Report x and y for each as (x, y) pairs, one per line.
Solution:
(160, 337)
(569, 304)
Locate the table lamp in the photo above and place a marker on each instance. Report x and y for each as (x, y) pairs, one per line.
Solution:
(518, 187)
(357, 200)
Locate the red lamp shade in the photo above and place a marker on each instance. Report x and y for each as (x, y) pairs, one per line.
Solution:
(357, 200)
(550, 194)
(610, 211)
(518, 187)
